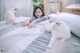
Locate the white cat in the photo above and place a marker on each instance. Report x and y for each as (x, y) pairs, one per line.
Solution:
(9, 16)
(60, 31)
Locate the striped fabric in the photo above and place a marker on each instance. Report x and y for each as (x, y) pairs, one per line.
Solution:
(8, 29)
(39, 45)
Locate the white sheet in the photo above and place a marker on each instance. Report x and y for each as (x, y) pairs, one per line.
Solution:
(21, 19)
(17, 40)
(27, 31)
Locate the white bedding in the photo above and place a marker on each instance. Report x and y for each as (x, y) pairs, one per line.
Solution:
(21, 19)
(20, 38)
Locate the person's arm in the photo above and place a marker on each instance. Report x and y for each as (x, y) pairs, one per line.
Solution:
(40, 19)
(27, 22)
(32, 19)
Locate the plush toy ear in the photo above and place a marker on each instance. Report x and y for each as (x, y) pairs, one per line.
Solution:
(15, 9)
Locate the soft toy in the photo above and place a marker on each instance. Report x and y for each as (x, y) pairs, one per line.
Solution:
(9, 16)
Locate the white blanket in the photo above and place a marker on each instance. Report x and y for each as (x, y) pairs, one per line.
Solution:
(17, 40)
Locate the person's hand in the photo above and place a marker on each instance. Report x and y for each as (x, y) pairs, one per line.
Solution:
(31, 25)
(25, 24)
(48, 16)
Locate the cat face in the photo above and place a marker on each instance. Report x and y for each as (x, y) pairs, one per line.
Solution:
(13, 10)
(57, 24)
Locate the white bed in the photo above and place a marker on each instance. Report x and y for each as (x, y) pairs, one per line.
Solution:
(16, 41)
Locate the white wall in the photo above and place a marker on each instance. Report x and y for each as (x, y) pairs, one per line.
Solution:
(25, 7)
